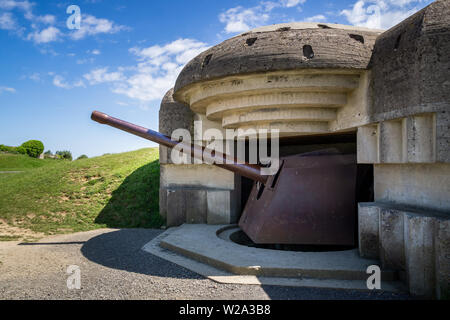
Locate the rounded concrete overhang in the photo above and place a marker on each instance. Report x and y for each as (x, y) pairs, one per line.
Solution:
(174, 115)
(292, 77)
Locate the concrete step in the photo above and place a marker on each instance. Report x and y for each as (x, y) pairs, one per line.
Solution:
(205, 244)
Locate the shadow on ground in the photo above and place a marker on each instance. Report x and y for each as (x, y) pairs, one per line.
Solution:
(135, 203)
(121, 250)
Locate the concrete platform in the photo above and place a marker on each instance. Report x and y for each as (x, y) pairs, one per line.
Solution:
(207, 250)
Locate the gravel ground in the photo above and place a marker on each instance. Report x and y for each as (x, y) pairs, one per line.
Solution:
(113, 266)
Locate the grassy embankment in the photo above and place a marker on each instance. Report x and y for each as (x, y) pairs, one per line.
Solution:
(54, 197)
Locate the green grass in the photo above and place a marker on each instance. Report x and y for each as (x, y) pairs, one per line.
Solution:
(117, 191)
(19, 162)
(8, 238)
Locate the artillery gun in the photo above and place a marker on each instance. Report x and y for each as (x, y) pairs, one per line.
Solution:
(310, 200)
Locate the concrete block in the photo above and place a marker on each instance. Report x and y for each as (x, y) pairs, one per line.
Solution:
(443, 135)
(186, 206)
(367, 144)
(163, 202)
(419, 185)
(176, 207)
(369, 220)
(196, 207)
(197, 176)
(421, 138)
(392, 247)
(442, 258)
(390, 146)
(419, 252)
(222, 207)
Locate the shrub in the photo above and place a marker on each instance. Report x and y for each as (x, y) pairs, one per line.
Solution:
(21, 150)
(83, 156)
(8, 149)
(34, 148)
(66, 155)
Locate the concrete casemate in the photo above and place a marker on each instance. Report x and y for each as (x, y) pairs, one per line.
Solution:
(391, 88)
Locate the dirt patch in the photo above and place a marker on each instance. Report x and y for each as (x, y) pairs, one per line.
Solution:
(12, 233)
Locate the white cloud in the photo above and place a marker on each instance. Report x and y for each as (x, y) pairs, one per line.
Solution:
(241, 19)
(7, 89)
(47, 19)
(49, 34)
(292, 3)
(12, 4)
(381, 14)
(60, 82)
(317, 18)
(101, 75)
(35, 77)
(158, 69)
(91, 25)
(155, 72)
(95, 52)
(7, 21)
(42, 26)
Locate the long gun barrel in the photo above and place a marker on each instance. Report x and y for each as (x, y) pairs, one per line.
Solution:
(250, 171)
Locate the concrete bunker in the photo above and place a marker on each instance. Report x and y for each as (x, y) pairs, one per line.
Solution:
(359, 80)
(322, 80)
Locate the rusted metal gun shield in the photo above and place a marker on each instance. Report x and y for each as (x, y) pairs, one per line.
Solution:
(311, 203)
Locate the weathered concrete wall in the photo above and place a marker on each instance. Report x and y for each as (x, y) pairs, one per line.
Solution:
(173, 115)
(410, 65)
(419, 185)
(407, 137)
(188, 193)
(412, 241)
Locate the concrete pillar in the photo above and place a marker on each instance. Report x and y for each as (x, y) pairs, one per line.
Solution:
(175, 207)
(392, 245)
(369, 221)
(442, 258)
(419, 251)
(186, 206)
(367, 144)
(421, 138)
(443, 136)
(390, 145)
(222, 207)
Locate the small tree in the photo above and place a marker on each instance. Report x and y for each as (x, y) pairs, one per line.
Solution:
(83, 156)
(66, 155)
(21, 150)
(48, 153)
(33, 148)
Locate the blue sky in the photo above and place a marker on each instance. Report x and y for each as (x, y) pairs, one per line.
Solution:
(126, 55)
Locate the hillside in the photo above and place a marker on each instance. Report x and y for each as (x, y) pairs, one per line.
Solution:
(19, 162)
(118, 191)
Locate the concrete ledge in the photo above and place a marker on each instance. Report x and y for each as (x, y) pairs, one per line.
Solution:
(201, 243)
(223, 276)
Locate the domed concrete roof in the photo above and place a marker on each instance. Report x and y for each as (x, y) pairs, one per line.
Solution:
(174, 115)
(288, 46)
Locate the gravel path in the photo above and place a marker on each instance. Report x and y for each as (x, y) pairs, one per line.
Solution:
(113, 266)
